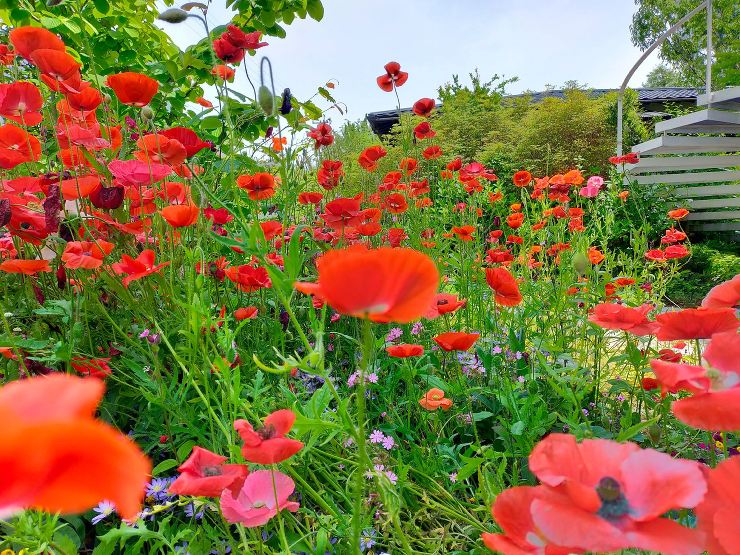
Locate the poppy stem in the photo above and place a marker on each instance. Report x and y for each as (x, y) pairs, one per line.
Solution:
(359, 493)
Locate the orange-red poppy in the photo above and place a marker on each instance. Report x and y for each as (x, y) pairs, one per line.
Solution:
(21, 102)
(56, 64)
(423, 107)
(405, 350)
(158, 148)
(435, 399)
(621, 317)
(259, 186)
(504, 285)
(464, 233)
(369, 157)
(393, 77)
(678, 213)
(245, 313)
(180, 215)
(86, 254)
(70, 461)
(310, 197)
(456, 340)
(695, 323)
(133, 89)
(25, 267)
(223, 72)
(26, 40)
(522, 178)
(384, 285)
(79, 187)
(17, 146)
(137, 268)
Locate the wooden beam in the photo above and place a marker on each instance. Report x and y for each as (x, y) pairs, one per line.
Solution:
(684, 178)
(664, 163)
(714, 203)
(669, 144)
(712, 216)
(707, 191)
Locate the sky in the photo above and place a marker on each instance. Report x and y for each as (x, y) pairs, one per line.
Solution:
(542, 42)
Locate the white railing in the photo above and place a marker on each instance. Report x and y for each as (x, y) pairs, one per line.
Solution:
(620, 99)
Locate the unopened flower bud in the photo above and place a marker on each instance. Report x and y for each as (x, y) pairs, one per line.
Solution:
(173, 15)
(147, 112)
(266, 100)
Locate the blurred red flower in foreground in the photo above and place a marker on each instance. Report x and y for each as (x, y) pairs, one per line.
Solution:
(383, 285)
(695, 323)
(600, 496)
(717, 514)
(70, 462)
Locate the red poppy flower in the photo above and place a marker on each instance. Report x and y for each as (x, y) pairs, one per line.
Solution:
(675, 251)
(393, 77)
(695, 323)
(716, 390)
(160, 149)
(57, 65)
(717, 514)
(512, 511)
(384, 285)
(423, 107)
(187, 138)
(522, 178)
(26, 40)
(86, 254)
(444, 303)
(72, 461)
(342, 212)
(322, 135)
(476, 170)
(203, 102)
(79, 187)
(268, 444)
(310, 197)
(249, 278)
(504, 285)
(204, 474)
(678, 213)
(17, 146)
(137, 173)
(621, 317)
(435, 399)
(405, 350)
(88, 99)
(464, 233)
(330, 173)
(93, 367)
(260, 186)
(432, 152)
(604, 496)
(223, 72)
(137, 268)
(424, 131)
(133, 89)
(456, 340)
(21, 102)
(395, 203)
(515, 220)
(369, 157)
(629, 158)
(227, 52)
(25, 267)
(180, 215)
(7, 56)
(724, 295)
(408, 165)
(245, 313)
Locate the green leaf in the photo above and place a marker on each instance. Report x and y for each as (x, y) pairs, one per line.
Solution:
(102, 6)
(315, 9)
(211, 122)
(478, 416)
(184, 450)
(326, 94)
(164, 466)
(470, 468)
(632, 431)
(517, 428)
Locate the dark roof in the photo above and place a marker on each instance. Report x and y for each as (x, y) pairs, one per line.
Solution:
(381, 122)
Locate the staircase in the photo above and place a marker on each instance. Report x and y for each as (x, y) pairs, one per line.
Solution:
(699, 154)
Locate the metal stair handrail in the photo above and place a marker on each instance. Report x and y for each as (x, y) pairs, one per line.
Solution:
(620, 99)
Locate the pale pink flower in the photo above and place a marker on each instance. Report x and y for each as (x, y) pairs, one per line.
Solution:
(593, 186)
(256, 502)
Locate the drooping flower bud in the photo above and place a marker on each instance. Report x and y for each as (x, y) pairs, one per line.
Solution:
(173, 15)
(266, 100)
(286, 106)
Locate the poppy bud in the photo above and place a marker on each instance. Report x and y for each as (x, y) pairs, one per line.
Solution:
(106, 98)
(268, 133)
(61, 277)
(286, 106)
(581, 263)
(173, 15)
(654, 432)
(147, 112)
(39, 294)
(4, 212)
(266, 100)
(108, 198)
(52, 208)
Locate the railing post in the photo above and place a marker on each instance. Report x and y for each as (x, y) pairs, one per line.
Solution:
(710, 44)
(705, 4)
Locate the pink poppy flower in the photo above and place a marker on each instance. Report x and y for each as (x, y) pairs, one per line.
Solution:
(264, 493)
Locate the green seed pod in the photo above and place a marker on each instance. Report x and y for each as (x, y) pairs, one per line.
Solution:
(654, 432)
(581, 263)
(266, 100)
(147, 112)
(173, 15)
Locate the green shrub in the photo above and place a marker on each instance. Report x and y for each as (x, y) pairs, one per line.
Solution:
(711, 263)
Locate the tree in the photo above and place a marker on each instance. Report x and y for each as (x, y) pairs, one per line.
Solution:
(664, 75)
(685, 51)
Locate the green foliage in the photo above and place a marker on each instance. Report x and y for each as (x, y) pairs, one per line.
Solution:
(686, 49)
(664, 75)
(710, 264)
